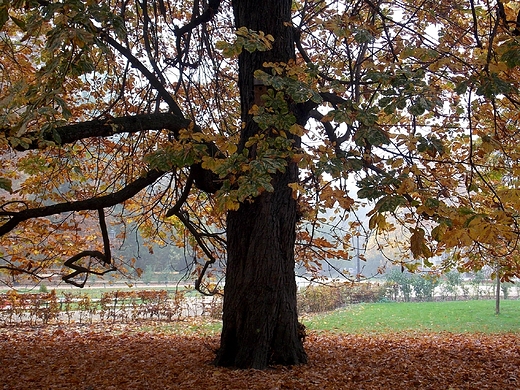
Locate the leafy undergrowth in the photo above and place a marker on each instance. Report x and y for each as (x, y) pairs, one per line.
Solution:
(125, 357)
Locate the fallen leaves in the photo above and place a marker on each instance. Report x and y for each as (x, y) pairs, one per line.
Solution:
(87, 358)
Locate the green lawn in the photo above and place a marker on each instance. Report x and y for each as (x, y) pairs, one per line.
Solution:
(456, 317)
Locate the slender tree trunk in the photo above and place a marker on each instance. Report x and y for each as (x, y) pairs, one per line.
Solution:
(497, 295)
(260, 321)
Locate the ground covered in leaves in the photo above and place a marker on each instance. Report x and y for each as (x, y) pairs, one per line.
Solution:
(126, 357)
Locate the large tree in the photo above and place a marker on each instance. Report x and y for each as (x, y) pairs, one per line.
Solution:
(260, 322)
(238, 129)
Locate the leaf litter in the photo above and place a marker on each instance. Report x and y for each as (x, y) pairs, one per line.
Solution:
(123, 356)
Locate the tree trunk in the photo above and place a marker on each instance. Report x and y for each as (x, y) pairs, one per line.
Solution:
(260, 321)
(497, 295)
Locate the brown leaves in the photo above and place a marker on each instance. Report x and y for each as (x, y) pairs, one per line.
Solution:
(89, 358)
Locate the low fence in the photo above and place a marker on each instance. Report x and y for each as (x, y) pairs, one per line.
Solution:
(163, 305)
(121, 306)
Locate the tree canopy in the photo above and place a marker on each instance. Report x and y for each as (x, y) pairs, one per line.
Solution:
(128, 113)
(122, 105)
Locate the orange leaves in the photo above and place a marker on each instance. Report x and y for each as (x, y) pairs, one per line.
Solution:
(418, 244)
(127, 358)
(330, 195)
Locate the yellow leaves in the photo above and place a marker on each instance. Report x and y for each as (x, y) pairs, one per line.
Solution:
(227, 203)
(406, 187)
(397, 163)
(490, 231)
(296, 189)
(378, 222)
(265, 39)
(211, 163)
(457, 238)
(465, 228)
(511, 8)
(226, 144)
(322, 242)
(297, 129)
(438, 232)
(418, 244)
(278, 68)
(510, 196)
(498, 67)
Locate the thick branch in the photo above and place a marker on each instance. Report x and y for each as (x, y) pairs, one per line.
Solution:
(78, 269)
(104, 234)
(110, 200)
(105, 257)
(184, 196)
(329, 130)
(475, 24)
(107, 127)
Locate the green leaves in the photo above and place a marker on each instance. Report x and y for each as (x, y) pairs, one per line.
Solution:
(374, 186)
(407, 89)
(6, 184)
(280, 119)
(492, 85)
(4, 12)
(178, 154)
(284, 78)
(247, 179)
(362, 35)
(420, 105)
(431, 145)
(512, 54)
(247, 39)
(374, 136)
(285, 88)
(390, 203)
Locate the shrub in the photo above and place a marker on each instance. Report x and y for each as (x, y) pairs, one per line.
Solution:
(312, 299)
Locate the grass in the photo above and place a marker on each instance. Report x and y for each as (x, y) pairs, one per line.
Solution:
(202, 327)
(458, 317)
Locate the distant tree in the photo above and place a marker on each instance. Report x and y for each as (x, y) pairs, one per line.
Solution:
(401, 282)
(424, 286)
(452, 283)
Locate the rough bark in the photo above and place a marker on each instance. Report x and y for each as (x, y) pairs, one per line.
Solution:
(260, 322)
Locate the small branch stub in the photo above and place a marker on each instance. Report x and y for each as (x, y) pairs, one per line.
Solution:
(259, 89)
